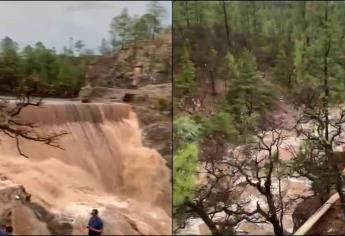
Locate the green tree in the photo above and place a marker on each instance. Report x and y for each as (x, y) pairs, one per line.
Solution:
(142, 27)
(88, 51)
(46, 63)
(158, 12)
(248, 92)
(30, 62)
(221, 125)
(186, 80)
(79, 45)
(184, 173)
(10, 64)
(120, 27)
(105, 47)
(284, 71)
(187, 133)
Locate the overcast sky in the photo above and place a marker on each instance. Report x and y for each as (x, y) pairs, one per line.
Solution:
(53, 22)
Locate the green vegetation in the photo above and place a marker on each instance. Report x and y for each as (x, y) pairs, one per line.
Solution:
(185, 80)
(248, 92)
(125, 29)
(162, 104)
(187, 133)
(184, 173)
(62, 74)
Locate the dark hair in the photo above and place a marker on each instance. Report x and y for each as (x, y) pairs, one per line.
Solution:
(9, 229)
(95, 211)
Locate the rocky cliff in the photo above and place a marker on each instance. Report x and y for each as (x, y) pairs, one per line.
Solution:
(154, 57)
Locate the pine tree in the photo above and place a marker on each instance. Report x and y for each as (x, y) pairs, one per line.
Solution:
(141, 29)
(248, 92)
(222, 125)
(283, 71)
(79, 45)
(184, 173)
(120, 27)
(185, 80)
(146, 25)
(10, 63)
(30, 63)
(105, 47)
(158, 12)
(186, 133)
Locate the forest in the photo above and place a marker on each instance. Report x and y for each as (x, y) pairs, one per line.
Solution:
(62, 74)
(237, 66)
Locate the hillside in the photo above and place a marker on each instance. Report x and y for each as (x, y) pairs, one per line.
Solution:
(117, 69)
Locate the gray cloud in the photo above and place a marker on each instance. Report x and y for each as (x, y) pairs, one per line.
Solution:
(82, 6)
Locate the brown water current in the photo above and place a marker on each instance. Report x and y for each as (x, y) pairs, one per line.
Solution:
(103, 158)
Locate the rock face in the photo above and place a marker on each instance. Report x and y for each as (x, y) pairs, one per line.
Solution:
(304, 210)
(30, 218)
(119, 69)
(158, 136)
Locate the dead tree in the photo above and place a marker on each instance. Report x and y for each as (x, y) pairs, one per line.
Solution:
(321, 134)
(225, 182)
(260, 165)
(324, 132)
(14, 127)
(217, 193)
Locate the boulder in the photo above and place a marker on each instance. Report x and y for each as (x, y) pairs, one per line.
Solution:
(31, 218)
(304, 210)
(158, 136)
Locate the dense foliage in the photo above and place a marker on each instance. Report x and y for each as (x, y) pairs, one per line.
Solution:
(187, 133)
(62, 74)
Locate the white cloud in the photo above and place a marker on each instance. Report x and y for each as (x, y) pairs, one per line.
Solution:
(53, 22)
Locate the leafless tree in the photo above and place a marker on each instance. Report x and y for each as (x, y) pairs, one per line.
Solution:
(218, 193)
(260, 166)
(318, 161)
(220, 200)
(13, 126)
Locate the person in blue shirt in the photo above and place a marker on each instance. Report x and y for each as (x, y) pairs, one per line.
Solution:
(3, 230)
(95, 225)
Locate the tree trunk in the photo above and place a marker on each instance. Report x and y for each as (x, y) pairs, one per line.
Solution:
(278, 230)
(205, 217)
(276, 227)
(187, 13)
(339, 187)
(290, 80)
(226, 23)
(197, 12)
(213, 83)
(254, 19)
(326, 86)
